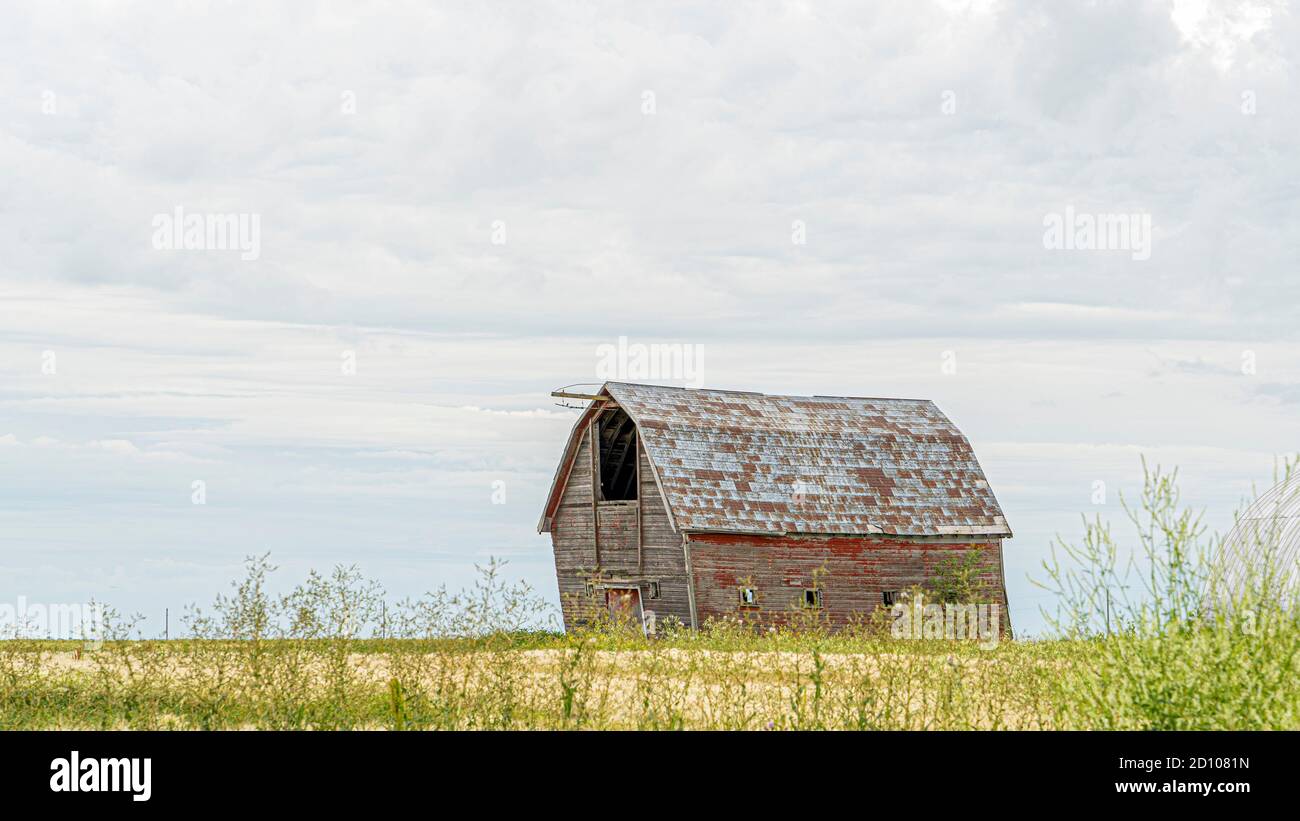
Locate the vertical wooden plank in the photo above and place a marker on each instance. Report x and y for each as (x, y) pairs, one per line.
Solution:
(690, 581)
(640, 542)
(1006, 601)
(595, 484)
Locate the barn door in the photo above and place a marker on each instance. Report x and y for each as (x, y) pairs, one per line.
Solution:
(625, 606)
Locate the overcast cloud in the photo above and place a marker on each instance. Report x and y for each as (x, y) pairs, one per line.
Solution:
(470, 198)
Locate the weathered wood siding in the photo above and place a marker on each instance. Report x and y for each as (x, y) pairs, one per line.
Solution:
(573, 540)
(858, 571)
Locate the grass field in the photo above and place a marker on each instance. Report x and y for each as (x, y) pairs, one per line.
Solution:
(1210, 679)
(1160, 659)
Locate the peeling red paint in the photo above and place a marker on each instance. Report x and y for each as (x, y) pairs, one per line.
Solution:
(858, 571)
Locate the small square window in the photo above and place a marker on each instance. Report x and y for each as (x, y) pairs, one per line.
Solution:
(748, 596)
(812, 597)
(889, 597)
(654, 590)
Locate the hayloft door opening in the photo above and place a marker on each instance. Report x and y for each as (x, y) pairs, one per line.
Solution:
(625, 606)
(618, 457)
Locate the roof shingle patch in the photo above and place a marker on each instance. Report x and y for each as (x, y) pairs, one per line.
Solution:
(746, 462)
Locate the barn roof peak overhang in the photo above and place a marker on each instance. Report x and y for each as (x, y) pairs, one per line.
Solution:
(736, 461)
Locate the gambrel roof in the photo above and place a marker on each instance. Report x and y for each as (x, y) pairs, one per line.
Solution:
(735, 462)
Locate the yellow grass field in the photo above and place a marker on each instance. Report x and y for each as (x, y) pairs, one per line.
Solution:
(722, 680)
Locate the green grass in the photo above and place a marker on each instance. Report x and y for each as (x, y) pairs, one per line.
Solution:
(1144, 654)
(1199, 679)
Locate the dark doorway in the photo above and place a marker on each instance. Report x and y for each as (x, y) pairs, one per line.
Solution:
(618, 457)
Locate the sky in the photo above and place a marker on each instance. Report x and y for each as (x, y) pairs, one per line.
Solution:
(442, 212)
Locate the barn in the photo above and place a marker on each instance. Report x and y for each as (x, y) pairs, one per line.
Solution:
(700, 504)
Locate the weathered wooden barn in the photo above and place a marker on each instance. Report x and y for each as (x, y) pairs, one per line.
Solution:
(711, 503)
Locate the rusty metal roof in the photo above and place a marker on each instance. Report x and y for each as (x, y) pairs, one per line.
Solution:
(747, 462)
